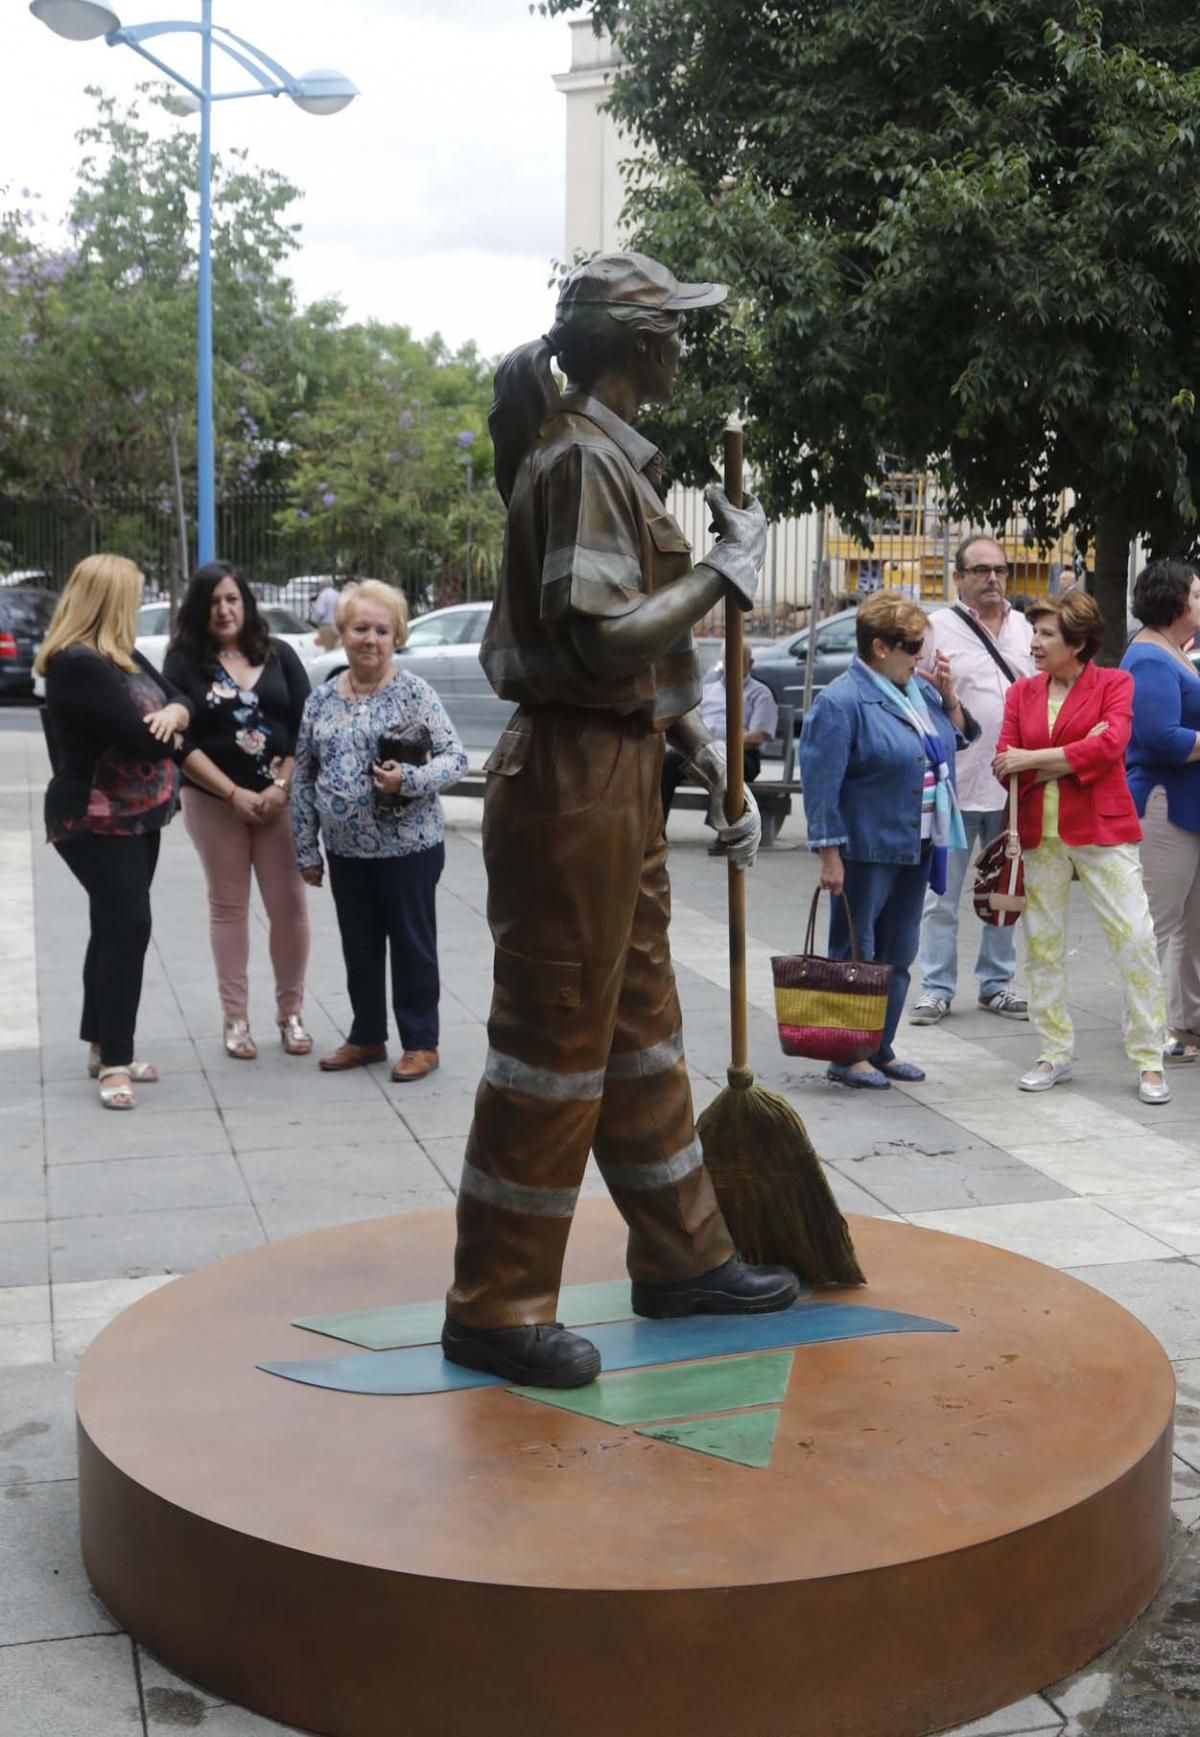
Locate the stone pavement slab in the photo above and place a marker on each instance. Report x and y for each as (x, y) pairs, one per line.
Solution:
(1163, 1294)
(1061, 1233)
(72, 1688)
(37, 1425)
(44, 1592)
(136, 1243)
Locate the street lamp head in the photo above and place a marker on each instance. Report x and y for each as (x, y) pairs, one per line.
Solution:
(324, 92)
(77, 20)
(180, 103)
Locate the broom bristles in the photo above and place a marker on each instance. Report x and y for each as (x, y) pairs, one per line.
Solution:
(771, 1187)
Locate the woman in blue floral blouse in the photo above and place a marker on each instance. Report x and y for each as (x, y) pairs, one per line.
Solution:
(382, 826)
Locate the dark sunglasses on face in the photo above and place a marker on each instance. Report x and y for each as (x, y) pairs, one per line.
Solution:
(983, 571)
(911, 646)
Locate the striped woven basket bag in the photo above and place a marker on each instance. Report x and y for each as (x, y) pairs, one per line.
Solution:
(830, 1009)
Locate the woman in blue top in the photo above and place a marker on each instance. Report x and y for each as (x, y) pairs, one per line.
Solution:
(381, 820)
(877, 769)
(1164, 781)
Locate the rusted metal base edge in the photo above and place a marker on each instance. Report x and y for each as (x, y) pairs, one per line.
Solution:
(349, 1651)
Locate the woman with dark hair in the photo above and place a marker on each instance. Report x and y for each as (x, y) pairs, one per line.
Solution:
(247, 693)
(1164, 781)
(1064, 734)
(590, 637)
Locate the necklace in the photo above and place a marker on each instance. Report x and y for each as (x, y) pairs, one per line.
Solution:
(1169, 644)
(367, 694)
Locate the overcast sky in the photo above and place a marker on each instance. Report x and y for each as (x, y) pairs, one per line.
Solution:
(435, 200)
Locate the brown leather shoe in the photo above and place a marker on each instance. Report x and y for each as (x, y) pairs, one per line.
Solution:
(352, 1055)
(414, 1064)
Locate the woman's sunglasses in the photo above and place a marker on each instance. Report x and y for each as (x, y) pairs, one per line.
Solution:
(911, 646)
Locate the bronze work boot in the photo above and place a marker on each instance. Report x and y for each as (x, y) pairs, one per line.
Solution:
(414, 1064)
(732, 1289)
(544, 1356)
(352, 1055)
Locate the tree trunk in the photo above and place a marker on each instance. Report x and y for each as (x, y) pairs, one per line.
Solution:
(180, 521)
(1110, 583)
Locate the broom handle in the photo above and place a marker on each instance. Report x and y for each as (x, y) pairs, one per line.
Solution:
(735, 790)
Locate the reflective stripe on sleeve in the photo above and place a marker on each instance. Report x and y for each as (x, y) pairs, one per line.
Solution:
(609, 567)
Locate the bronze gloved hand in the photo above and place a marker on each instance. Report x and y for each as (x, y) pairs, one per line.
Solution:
(741, 838)
(741, 548)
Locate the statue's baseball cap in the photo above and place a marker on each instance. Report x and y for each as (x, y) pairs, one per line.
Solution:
(631, 280)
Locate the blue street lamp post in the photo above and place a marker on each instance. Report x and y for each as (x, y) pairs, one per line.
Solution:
(319, 93)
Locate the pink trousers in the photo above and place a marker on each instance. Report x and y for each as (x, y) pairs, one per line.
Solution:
(229, 850)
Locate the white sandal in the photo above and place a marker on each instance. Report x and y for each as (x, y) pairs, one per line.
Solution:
(116, 1097)
(142, 1073)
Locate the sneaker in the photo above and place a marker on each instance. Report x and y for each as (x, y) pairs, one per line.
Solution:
(1006, 1004)
(928, 1011)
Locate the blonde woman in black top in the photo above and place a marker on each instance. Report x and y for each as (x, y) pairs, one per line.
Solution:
(113, 725)
(247, 693)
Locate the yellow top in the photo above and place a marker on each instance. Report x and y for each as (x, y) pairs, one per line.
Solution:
(1050, 800)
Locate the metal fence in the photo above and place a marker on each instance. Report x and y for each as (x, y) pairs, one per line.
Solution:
(256, 530)
(913, 537)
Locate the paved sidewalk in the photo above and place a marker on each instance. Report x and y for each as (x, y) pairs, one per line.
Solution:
(95, 1210)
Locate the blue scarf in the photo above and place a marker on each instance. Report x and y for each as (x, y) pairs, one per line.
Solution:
(908, 703)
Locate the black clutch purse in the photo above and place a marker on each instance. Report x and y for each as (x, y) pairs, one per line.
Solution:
(412, 745)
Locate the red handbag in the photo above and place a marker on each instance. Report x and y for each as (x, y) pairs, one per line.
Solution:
(999, 893)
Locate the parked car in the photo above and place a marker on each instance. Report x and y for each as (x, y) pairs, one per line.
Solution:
(154, 633)
(781, 665)
(443, 648)
(25, 614)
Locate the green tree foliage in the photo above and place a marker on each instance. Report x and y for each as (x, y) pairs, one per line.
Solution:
(385, 447)
(963, 231)
(106, 393)
(362, 428)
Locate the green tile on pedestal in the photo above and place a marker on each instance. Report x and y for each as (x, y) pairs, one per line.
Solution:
(396, 1326)
(746, 1439)
(674, 1390)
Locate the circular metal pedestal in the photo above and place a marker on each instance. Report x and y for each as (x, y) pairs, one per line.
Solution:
(949, 1521)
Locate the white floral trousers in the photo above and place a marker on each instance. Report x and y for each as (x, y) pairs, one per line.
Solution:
(1111, 877)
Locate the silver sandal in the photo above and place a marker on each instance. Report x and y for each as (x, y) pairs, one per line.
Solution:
(116, 1097)
(238, 1042)
(292, 1035)
(143, 1073)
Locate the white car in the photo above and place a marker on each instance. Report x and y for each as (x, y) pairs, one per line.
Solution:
(443, 648)
(154, 633)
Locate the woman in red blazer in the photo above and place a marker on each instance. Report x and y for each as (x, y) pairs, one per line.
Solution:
(1064, 734)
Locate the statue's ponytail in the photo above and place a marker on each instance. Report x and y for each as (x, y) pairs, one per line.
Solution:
(525, 396)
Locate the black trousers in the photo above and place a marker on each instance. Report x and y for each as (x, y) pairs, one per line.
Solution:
(116, 874)
(390, 902)
(674, 763)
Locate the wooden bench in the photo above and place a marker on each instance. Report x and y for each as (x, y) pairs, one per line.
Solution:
(773, 795)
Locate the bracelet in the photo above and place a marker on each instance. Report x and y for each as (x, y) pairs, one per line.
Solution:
(230, 793)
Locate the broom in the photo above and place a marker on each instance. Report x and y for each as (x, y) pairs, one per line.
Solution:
(768, 1178)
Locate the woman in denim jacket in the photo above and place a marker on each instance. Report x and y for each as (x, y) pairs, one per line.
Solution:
(877, 769)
